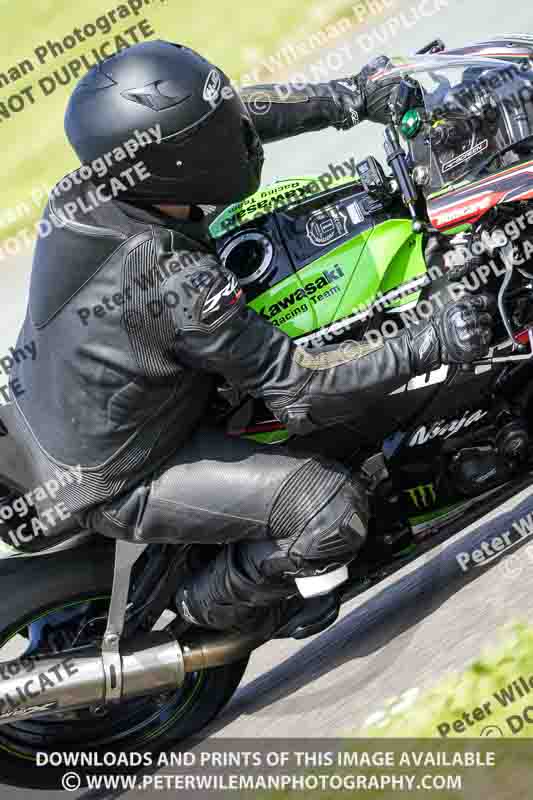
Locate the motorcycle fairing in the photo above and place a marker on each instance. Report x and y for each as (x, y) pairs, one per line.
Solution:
(468, 203)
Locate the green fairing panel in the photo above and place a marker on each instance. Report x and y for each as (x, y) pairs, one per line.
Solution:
(396, 254)
(345, 280)
(281, 194)
(305, 301)
(336, 285)
(273, 437)
(287, 306)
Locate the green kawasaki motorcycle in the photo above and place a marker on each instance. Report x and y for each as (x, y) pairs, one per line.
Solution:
(104, 665)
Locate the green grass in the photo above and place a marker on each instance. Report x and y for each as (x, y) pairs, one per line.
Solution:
(420, 715)
(410, 724)
(232, 34)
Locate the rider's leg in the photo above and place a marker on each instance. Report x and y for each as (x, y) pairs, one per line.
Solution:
(242, 587)
(282, 516)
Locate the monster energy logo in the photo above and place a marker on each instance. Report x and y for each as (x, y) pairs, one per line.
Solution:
(422, 496)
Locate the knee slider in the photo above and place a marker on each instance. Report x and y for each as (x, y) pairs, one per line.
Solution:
(337, 532)
(320, 515)
(303, 495)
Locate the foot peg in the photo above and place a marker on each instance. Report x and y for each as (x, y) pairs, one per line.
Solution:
(315, 616)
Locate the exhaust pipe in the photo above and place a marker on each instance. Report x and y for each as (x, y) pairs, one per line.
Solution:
(203, 652)
(72, 679)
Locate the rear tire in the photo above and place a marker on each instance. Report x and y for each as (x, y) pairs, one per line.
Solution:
(34, 586)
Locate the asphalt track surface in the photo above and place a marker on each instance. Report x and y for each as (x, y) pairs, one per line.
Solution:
(427, 620)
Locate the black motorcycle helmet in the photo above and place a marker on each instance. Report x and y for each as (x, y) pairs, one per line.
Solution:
(210, 151)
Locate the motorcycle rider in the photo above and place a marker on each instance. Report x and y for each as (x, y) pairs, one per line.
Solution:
(124, 392)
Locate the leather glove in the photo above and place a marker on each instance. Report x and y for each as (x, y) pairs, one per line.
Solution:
(465, 329)
(377, 92)
(459, 335)
(361, 98)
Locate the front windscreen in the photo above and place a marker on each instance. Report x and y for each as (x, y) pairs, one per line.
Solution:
(470, 109)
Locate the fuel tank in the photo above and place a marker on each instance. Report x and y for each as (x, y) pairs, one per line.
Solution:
(308, 259)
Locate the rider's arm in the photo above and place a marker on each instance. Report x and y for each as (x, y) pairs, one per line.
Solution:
(215, 331)
(282, 110)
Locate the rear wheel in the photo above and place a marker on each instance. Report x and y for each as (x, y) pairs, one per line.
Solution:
(51, 603)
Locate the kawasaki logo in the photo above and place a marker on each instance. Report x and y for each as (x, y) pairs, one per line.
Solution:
(445, 429)
(328, 277)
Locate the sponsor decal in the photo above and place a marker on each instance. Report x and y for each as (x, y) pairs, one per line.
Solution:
(36, 684)
(325, 280)
(267, 201)
(212, 87)
(423, 381)
(444, 429)
(459, 211)
(355, 213)
(422, 496)
(466, 156)
(29, 710)
(223, 298)
(326, 225)
(274, 190)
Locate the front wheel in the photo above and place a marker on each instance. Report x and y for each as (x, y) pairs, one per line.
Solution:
(51, 603)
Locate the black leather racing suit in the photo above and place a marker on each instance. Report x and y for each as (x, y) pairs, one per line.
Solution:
(122, 377)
